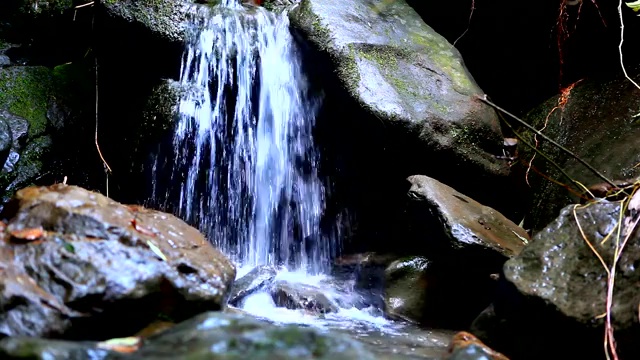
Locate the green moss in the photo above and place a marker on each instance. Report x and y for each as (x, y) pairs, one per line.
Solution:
(443, 55)
(26, 92)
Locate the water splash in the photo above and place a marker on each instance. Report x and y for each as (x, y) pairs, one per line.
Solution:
(244, 141)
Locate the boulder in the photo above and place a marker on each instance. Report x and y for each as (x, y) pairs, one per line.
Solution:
(437, 294)
(461, 223)
(405, 74)
(254, 280)
(554, 292)
(595, 120)
(301, 296)
(83, 266)
(211, 335)
(163, 19)
(465, 346)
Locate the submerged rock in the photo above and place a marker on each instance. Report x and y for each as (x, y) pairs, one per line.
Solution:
(555, 291)
(466, 224)
(405, 74)
(81, 265)
(207, 336)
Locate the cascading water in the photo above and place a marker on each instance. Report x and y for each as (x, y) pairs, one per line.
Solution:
(244, 154)
(245, 140)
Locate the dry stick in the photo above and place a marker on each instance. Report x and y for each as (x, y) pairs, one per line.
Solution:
(545, 156)
(591, 168)
(624, 70)
(104, 162)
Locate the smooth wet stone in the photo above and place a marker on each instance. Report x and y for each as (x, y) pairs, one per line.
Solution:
(465, 346)
(301, 296)
(254, 280)
(466, 224)
(80, 265)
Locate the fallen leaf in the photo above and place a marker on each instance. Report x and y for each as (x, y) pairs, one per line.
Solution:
(156, 250)
(28, 234)
(141, 229)
(122, 345)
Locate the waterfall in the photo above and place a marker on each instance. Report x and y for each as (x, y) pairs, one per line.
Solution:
(243, 146)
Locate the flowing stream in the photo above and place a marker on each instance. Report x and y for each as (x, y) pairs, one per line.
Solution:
(245, 157)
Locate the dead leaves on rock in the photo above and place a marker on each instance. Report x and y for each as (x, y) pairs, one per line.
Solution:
(122, 345)
(27, 235)
(464, 339)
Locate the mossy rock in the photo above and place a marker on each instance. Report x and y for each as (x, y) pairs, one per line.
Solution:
(27, 92)
(402, 72)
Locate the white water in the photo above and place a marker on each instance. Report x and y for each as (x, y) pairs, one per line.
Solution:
(247, 161)
(246, 142)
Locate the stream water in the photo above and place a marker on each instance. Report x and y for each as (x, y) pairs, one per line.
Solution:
(246, 158)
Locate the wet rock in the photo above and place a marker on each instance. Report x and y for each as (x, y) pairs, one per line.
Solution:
(438, 294)
(161, 18)
(595, 120)
(255, 280)
(210, 335)
(301, 296)
(400, 70)
(406, 293)
(6, 139)
(42, 349)
(555, 290)
(84, 266)
(465, 346)
(467, 225)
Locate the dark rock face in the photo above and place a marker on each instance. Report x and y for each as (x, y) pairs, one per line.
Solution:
(597, 123)
(462, 243)
(84, 266)
(206, 336)
(555, 290)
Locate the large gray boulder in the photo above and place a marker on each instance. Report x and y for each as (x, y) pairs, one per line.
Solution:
(77, 264)
(401, 71)
(555, 290)
(210, 335)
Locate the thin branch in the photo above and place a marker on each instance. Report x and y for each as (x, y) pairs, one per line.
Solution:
(624, 70)
(591, 168)
(545, 156)
(104, 162)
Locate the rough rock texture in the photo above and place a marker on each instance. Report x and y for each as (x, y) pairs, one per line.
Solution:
(467, 224)
(84, 266)
(27, 98)
(597, 123)
(162, 18)
(206, 336)
(555, 290)
(403, 72)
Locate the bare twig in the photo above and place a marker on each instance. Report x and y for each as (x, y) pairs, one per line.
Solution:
(473, 7)
(522, 122)
(624, 70)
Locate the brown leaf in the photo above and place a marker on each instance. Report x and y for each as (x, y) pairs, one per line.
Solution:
(28, 234)
(122, 345)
